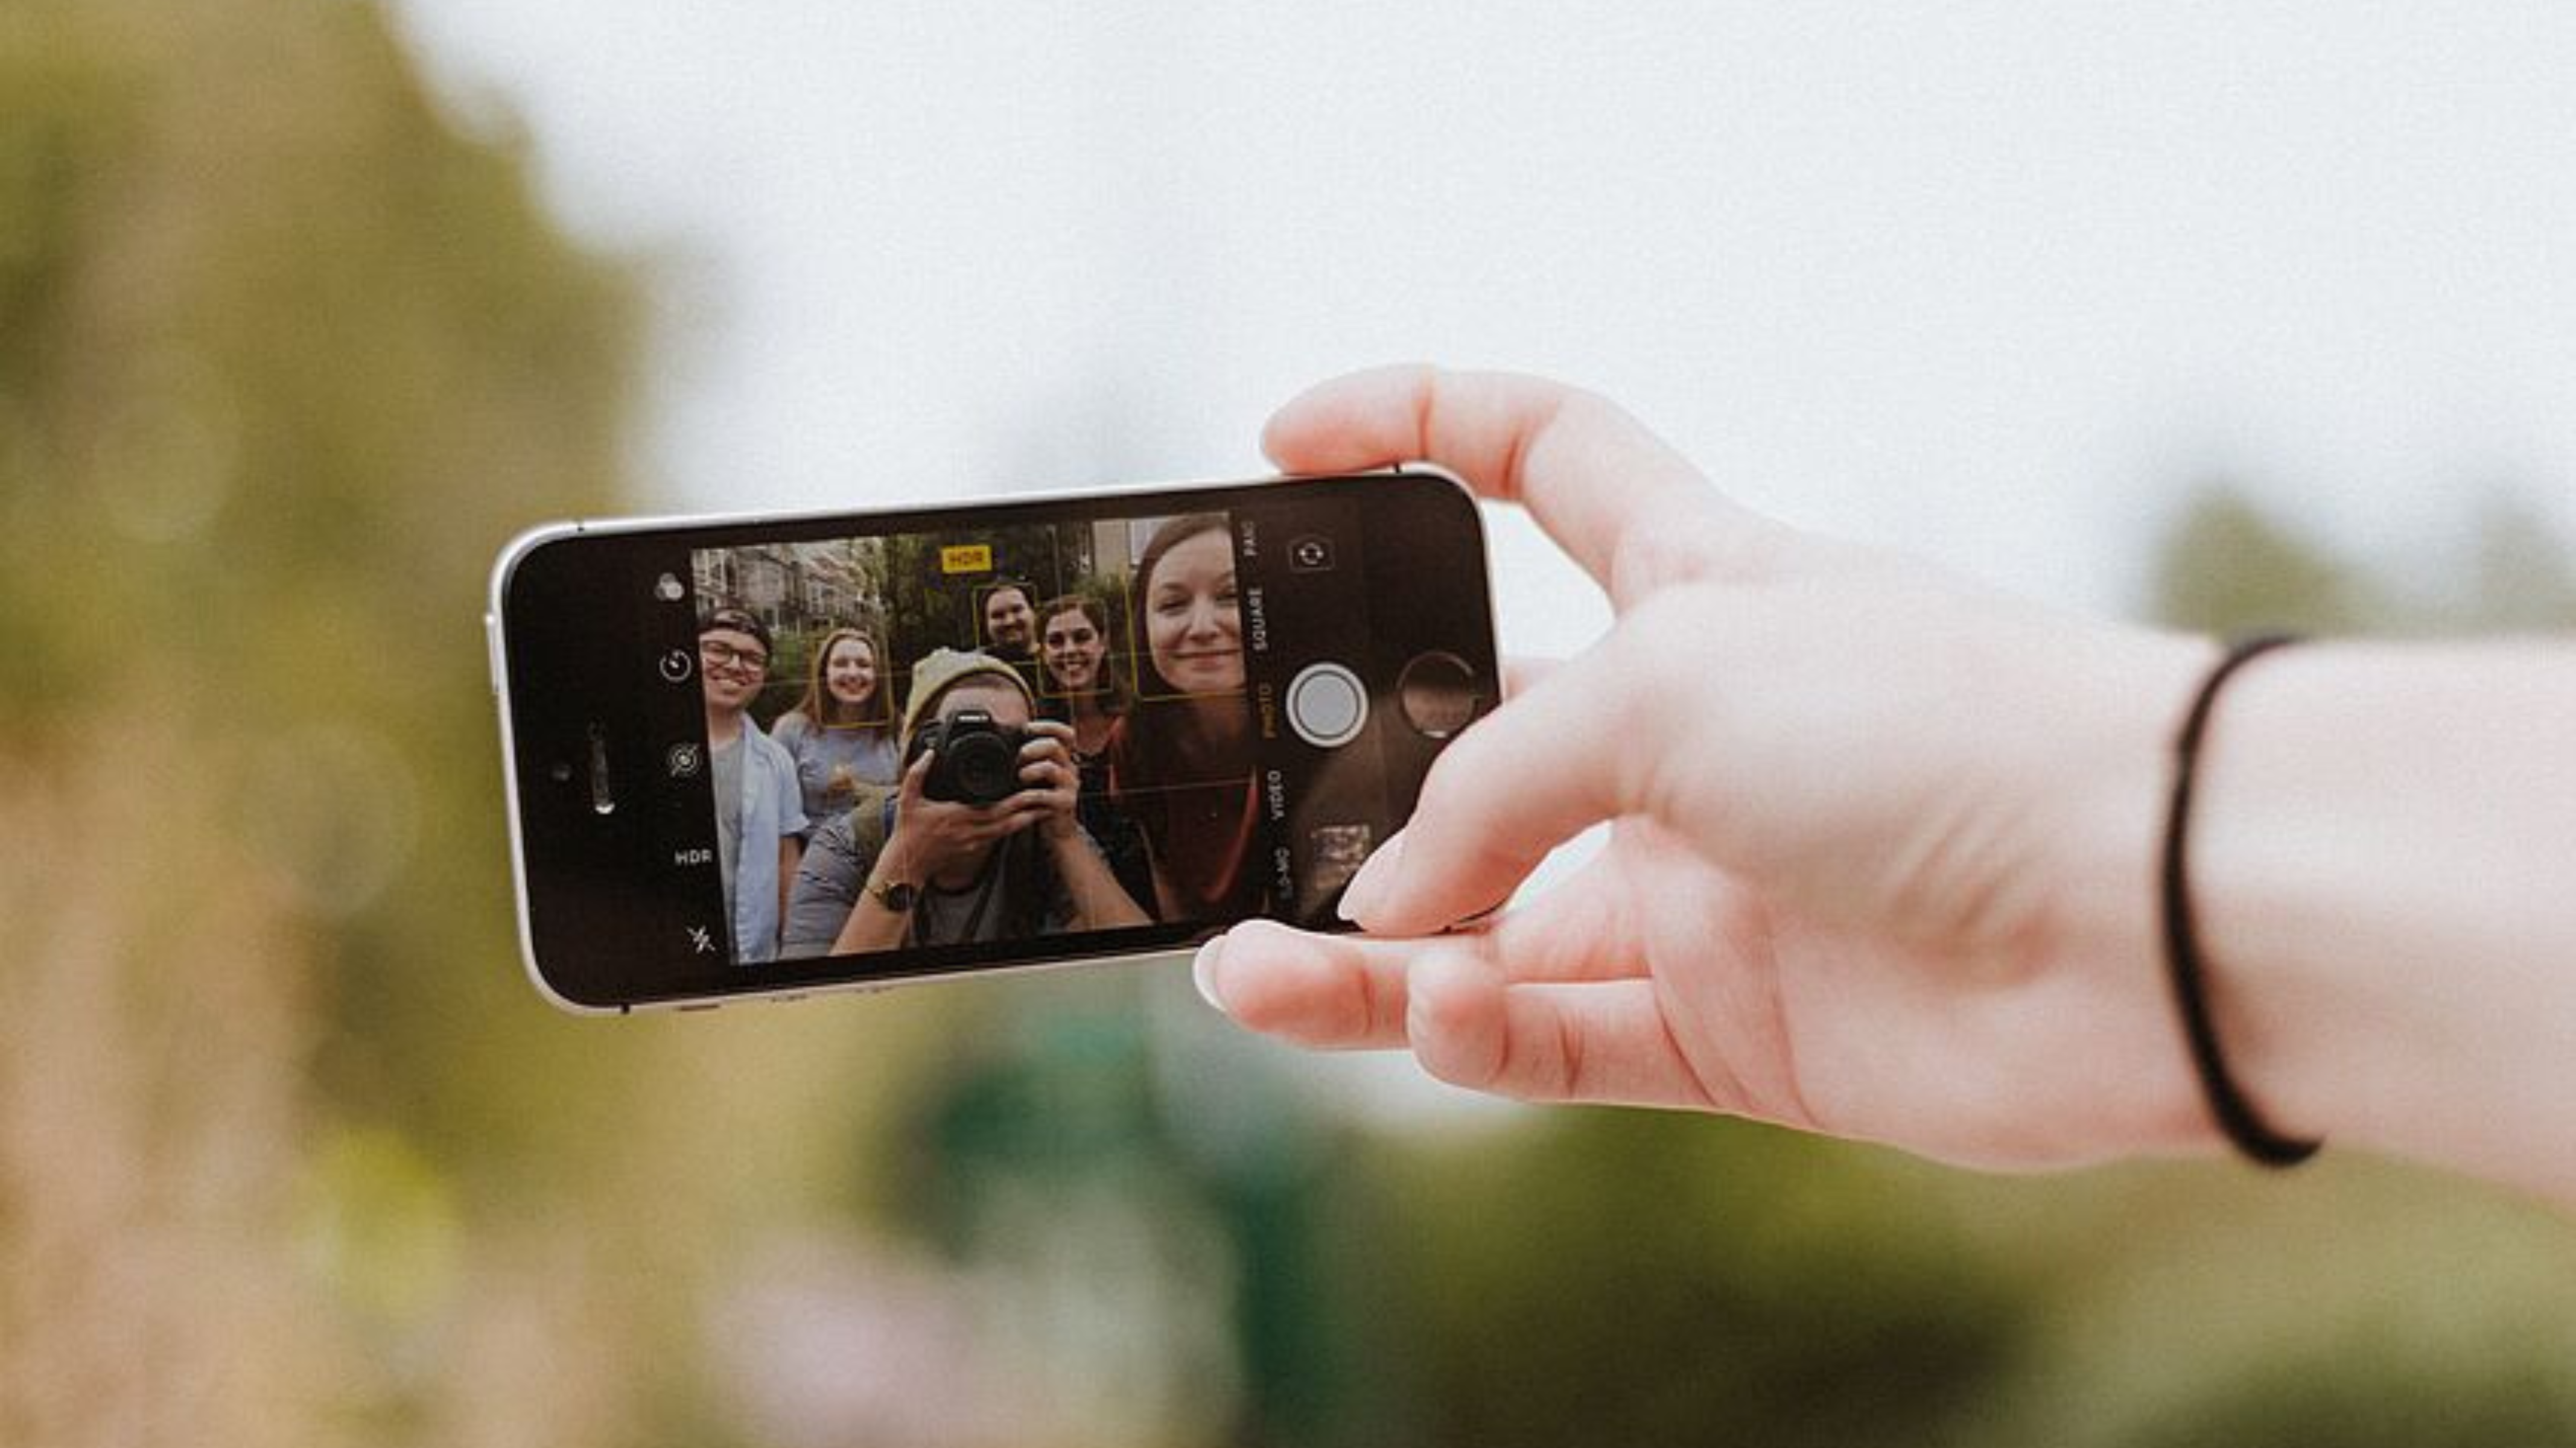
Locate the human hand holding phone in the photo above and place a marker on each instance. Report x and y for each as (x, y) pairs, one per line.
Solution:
(1876, 864)
(1885, 846)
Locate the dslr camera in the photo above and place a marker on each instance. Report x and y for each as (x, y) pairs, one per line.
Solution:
(977, 761)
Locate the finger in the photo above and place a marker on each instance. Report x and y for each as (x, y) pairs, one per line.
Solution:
(1486, 817)
(1332, 992)
(1041, 796)
(916, 779)
(1521, 672)
(1032, 806)
(1297, 983)
(1578, 930)
(1602, 1041)
(1595, 478)
(1346, 991)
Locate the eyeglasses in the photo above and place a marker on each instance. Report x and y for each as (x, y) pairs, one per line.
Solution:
(720, 655)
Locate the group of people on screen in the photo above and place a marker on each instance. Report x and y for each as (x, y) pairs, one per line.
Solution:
(1133, 804)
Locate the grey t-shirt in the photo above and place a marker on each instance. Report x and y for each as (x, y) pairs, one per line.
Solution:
(834, 766)
(1021, 894)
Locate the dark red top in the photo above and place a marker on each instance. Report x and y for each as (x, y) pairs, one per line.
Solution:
(1198, 820)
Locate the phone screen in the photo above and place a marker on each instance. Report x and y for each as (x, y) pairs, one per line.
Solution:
(750, 757)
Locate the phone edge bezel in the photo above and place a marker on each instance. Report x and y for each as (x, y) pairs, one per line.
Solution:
(497, 637)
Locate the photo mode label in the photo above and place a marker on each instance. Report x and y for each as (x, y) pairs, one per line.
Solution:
(966, 558)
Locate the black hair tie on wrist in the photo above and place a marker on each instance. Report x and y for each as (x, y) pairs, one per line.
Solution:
(2236, 1116)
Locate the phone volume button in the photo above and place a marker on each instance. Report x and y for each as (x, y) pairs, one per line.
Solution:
(492, 650)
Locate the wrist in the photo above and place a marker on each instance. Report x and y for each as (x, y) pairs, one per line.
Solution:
(2245, 1124)
(2284, 872)
(2381, 875)
(2124, 1059)
(893, 865)
(2377, 873)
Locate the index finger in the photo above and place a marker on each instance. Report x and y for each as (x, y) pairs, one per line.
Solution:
(1611, 493)
(916, 776)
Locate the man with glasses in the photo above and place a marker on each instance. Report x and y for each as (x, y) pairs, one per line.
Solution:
(760, 814)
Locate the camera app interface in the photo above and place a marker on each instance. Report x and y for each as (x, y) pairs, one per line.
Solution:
(918, 740)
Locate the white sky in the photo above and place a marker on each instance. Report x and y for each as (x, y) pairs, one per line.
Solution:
(1987, 279)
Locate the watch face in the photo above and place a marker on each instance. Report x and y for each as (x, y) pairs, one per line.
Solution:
(897, 898)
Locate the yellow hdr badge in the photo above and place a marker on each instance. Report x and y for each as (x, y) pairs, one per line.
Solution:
(967, 558)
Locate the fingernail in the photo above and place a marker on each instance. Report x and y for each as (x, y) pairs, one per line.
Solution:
(1375, 881)
(1203, 973)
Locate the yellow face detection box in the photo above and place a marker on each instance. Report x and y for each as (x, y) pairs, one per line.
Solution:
(967, 558)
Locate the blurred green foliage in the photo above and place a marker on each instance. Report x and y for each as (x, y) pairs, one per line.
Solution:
(285, 360)
(284, 357)
(2230, 565)
(1640, 1278)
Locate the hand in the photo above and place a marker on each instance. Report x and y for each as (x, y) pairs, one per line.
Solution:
(936, 839)
(1054, 782)
(1882, 856)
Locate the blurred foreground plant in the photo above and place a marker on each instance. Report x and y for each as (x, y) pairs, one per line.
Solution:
(283, 358)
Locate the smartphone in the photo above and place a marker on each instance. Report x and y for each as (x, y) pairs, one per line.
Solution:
(764, 757)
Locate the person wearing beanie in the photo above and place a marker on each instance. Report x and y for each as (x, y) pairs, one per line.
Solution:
(902, 868)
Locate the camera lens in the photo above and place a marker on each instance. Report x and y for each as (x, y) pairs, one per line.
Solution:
(983, 767)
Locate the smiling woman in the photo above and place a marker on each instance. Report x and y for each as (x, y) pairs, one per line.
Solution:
(842, 732)
(1181, 761)
(1193, 619)
(1085, 690)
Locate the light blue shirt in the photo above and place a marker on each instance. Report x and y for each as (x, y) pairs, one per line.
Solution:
(772, 809)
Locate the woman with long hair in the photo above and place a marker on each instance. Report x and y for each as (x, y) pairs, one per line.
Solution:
(1084, 691)
(1079, 685)
(1181, 761)
(842, 732)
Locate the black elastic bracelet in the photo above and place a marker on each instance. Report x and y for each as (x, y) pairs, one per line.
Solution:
(2236, 1116)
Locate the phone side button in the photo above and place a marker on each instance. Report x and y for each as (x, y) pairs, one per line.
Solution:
(492, 649)
(702, 1005)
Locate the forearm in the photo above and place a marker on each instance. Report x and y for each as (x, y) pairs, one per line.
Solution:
(2384, 871)
(1099, 901)
(871, 926)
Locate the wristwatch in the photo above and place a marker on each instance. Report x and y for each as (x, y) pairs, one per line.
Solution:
(897, 897)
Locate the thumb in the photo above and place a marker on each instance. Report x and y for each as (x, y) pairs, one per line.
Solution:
(1502, 796)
